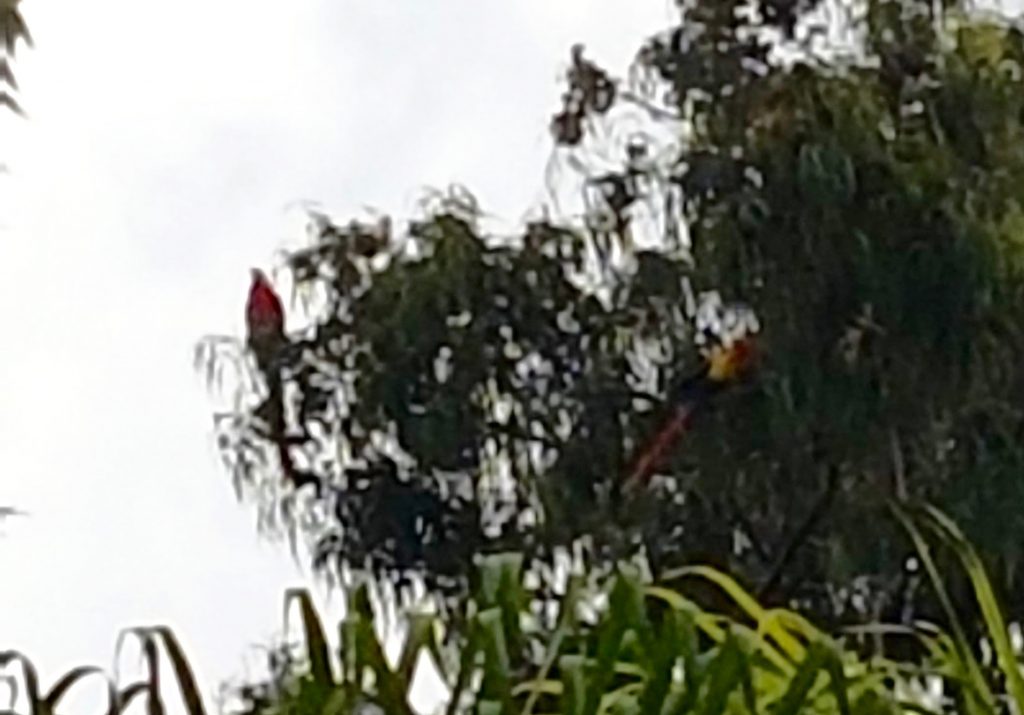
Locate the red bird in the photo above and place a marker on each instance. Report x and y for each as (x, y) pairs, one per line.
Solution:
(264, 320)
(723, 365)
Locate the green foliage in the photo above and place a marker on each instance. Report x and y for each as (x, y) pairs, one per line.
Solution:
(957, 659)
(876, 229)
(617, 645)
(442, 361)
(648, 650)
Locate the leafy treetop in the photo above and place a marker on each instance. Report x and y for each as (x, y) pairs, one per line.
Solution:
(460, 393)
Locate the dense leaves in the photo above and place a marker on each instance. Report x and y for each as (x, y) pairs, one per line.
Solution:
(463, 396)
(875, 229)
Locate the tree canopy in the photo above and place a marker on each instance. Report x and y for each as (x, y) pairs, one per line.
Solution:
(459, 393)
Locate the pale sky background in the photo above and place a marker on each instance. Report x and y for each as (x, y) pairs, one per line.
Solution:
(164, 144)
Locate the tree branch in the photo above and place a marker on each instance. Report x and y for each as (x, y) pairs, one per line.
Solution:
(800, 536)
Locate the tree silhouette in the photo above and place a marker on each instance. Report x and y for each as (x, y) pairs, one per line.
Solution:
(458, 393)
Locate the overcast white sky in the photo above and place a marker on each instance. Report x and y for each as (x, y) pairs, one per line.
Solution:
(164, 145)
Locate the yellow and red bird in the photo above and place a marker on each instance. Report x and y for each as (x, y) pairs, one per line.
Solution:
(723, 365)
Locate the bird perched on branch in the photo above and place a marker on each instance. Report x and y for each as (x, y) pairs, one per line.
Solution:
(264, 321)
(265, 337)
(723, 365)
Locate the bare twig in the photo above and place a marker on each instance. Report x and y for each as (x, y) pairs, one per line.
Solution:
(899, 473)
(800, 536)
